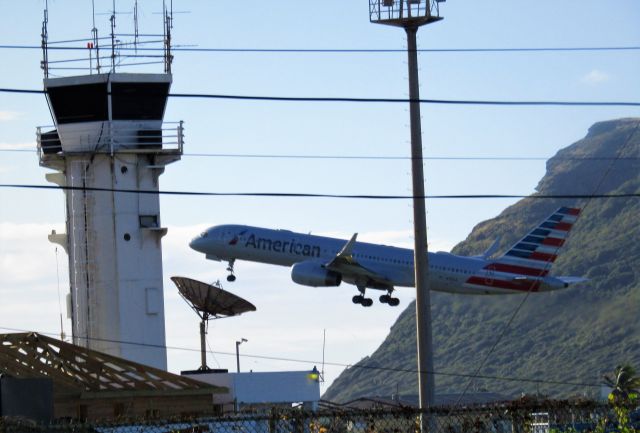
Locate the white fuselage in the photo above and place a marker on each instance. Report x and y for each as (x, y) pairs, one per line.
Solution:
(447, 272)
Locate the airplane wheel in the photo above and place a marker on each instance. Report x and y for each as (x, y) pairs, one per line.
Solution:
(367, 302)
(384, 299)
(394, 302)
(357, 299)
(231, 278)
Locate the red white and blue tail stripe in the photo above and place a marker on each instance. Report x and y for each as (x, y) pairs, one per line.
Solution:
(536, 252)
(526, 265)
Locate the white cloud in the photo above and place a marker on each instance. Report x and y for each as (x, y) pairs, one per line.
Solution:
(29, 283)
(7, 116)
(595, 77)
(18, 146)
(26, 255)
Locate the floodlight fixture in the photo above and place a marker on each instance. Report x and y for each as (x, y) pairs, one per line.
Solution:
(403, 13)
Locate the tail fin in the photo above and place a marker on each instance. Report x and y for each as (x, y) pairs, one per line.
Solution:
(535, 253)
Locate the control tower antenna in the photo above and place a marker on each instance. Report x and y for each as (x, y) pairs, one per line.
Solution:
(45, 38)
(112, 19)
(94, 35)
(168, 25)
(135, 26)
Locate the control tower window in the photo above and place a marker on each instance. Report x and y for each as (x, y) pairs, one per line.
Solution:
(149, 221)
(139, 101)
(83, 103)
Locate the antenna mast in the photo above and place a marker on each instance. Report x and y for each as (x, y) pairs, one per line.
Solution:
(135, 26)
(113, 37)
(94, 34)
(45, 36)
(168, 25)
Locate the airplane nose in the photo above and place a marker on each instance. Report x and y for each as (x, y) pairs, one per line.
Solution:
(196, 244)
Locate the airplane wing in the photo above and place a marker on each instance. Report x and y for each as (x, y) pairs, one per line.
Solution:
(348, 266)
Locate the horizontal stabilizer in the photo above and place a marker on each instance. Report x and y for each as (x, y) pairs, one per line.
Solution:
(572, 280)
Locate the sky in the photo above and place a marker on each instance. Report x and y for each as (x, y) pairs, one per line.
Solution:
(290, 320)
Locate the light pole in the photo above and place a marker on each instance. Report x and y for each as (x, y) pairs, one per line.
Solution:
(238, 343)
(410, 15)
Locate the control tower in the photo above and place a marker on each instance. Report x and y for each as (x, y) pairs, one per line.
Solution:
(108, 146)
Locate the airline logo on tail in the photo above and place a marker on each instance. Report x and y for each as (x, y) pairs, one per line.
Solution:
(531, 257)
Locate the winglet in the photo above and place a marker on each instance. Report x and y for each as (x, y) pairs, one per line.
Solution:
(348, 247)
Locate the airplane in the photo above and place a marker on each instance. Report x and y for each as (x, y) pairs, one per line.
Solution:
(320, 261)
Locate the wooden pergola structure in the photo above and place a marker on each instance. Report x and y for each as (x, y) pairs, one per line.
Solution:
(89, 385)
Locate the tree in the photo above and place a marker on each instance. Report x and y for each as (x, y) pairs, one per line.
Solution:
(624, 383)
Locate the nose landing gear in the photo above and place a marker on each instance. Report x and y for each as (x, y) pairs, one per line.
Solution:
(231, 277)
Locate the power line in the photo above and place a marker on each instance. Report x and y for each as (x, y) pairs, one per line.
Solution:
(377, 100)
(315, 362)
(320, 195)
(382, 157)
(392, 157)
(335, 50)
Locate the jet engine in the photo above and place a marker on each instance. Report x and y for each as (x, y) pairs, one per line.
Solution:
(314, 275)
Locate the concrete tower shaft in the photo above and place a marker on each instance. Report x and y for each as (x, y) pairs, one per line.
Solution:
(109, 138)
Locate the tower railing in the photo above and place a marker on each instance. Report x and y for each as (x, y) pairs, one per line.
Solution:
(167, 139)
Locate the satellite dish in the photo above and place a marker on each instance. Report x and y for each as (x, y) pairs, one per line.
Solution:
(210, 301)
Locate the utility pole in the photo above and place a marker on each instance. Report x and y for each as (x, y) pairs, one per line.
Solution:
(411, 15)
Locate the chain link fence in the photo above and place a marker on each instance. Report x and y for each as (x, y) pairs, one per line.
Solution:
(513, 417)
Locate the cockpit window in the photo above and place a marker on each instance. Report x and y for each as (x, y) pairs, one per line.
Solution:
(204, 234)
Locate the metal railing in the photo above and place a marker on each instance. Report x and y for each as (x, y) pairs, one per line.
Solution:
(387, 10)
(110, 138)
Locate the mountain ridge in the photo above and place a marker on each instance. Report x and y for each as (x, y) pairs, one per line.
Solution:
(572, 335)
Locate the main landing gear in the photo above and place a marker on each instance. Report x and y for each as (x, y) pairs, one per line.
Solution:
(367, 302)
(231, 278)
(360, 299)
(387, 299)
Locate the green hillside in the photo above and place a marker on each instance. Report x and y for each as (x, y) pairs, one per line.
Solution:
(572, 335)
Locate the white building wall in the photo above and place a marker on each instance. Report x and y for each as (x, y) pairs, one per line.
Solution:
(116, 265)
(276, 387)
